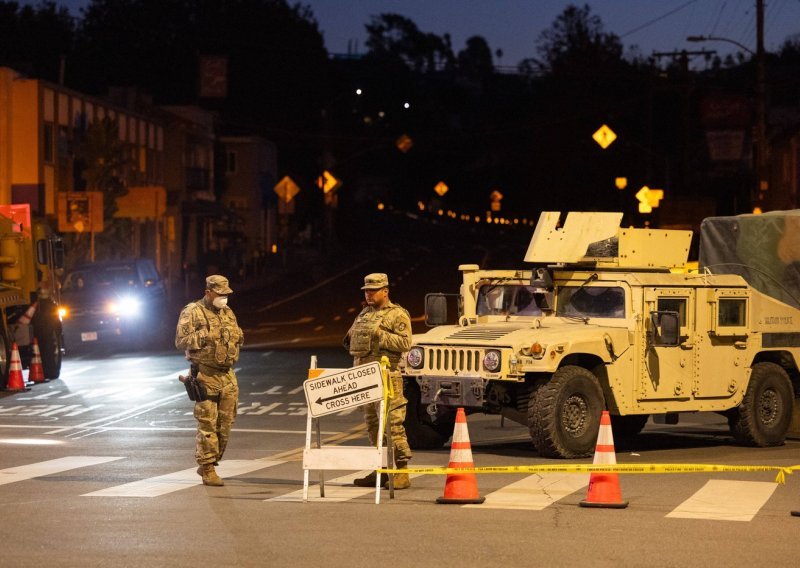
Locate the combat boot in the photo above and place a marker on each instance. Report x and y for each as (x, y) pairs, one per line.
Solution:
(210, 477)
(400, 480)
(369, 480)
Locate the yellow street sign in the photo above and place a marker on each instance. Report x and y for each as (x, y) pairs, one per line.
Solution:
(649, 198)
(404, 143)
(327, 183)
(604, 136)
(441, 188)
(654, 196)
(286, 189)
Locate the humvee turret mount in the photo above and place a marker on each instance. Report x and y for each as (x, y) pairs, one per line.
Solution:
(608, 318)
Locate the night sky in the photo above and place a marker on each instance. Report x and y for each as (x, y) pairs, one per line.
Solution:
(514, 25)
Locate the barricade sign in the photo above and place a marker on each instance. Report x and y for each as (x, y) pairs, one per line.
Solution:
(335, 390)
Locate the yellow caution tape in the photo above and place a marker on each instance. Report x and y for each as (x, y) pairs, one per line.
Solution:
(782, 471)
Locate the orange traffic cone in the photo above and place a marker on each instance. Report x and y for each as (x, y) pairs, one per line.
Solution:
(604, 487)
(36, 371)
(461, 488)
(28, 315)
(15, 381)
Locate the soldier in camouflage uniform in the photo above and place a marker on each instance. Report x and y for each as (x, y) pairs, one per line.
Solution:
(208, 332)
(383, 328)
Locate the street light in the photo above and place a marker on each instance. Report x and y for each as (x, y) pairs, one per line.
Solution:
(760, 137)
(700, 38)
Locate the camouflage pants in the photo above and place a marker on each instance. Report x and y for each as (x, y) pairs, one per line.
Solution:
(215, 416)
(397, 415)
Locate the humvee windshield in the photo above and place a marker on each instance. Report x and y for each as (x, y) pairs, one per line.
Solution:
(509, 300)
(591, 301)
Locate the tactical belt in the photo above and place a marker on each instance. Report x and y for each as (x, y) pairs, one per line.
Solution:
(210, 369)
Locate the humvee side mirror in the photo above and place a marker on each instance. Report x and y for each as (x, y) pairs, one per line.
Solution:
(666, 328)
(435, 309)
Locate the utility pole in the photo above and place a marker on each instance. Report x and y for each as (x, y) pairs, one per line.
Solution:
(762, 144)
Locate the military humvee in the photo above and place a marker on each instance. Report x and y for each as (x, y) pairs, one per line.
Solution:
(608, 318)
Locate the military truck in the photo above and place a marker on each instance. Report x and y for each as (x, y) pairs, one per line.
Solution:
(607, 318)
(31, 254)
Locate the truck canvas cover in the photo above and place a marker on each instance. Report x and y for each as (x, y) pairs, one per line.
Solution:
(763, 249)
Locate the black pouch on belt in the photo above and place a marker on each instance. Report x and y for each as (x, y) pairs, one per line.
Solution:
(194, 388)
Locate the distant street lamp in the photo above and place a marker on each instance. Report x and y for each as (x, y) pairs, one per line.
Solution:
(699, 38)
(760, 135)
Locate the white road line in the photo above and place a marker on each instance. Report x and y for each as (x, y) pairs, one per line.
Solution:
(337, 490)
(114, 418)
(163, 484)
(76, 372)
(535, 492)
(722, 500)
(21, 473)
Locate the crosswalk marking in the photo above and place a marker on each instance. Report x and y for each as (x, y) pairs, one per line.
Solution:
(337, 490)
(718, 500)
(163, 484)
(21, 473)
(726, 501)
(534, 492)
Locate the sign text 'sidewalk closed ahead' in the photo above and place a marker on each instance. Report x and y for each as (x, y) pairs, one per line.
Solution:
(336, 391)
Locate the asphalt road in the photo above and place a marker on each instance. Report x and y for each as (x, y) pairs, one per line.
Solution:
(97, 468)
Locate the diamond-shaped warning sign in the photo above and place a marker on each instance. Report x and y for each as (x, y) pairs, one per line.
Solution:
(286, 189)
(604, 136)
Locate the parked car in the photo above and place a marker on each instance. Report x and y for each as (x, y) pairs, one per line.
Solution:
(118, 302)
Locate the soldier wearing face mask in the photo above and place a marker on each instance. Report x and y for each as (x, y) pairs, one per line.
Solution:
(208, 333)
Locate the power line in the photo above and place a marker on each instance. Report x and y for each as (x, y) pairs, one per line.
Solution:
(658, 19)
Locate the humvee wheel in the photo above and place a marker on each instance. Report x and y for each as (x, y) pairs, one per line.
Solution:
(763, 417)
(421, 432)
(564, 414)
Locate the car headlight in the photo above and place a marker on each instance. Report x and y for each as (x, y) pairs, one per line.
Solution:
(415, 357)
(128, 307)
(491, 360)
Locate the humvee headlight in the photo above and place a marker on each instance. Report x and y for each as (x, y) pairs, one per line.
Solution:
(415, 357)
(537, 350)
(491, 360)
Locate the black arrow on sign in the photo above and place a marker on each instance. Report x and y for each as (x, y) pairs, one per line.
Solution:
(348, 393)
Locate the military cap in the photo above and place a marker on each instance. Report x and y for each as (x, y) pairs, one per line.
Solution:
(218, 284)
(375, 281)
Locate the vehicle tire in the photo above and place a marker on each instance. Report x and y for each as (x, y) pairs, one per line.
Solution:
(47, 330)
(764, 415)
(421, 432)
(564, 414)
(626, 428)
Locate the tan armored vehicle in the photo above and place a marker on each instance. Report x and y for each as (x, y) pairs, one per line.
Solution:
(607, 318)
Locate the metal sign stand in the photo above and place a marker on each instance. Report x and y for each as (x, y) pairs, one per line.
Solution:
(343, 457)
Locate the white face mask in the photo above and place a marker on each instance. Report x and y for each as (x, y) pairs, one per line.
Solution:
(220, 302)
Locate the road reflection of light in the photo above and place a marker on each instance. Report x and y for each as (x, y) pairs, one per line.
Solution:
(30, 441)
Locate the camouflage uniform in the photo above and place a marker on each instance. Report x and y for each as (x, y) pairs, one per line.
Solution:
(211, 338)
(378, 332)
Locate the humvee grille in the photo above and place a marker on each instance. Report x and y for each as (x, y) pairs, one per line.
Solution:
(483, 333)
(456, 359)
